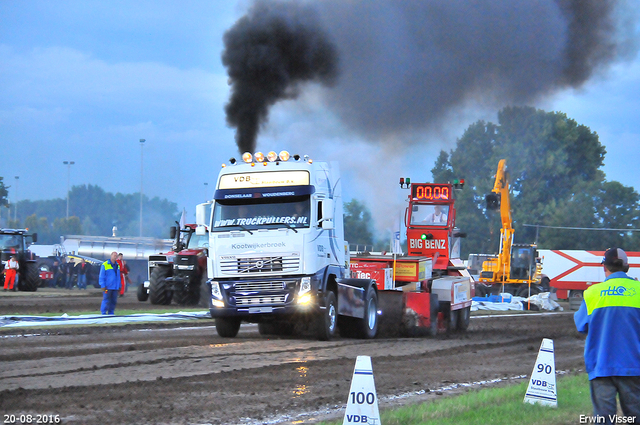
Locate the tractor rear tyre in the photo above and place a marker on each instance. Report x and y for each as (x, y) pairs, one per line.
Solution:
(227, 327)
(368, 325)
(159, 292)
(327, 320)
(30, 280)
(142, 293)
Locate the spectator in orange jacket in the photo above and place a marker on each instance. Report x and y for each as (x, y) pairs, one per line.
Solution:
(10, 273)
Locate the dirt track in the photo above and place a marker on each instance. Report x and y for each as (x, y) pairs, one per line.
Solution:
(185, 374)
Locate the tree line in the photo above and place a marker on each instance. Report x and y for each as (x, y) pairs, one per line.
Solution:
(92, 211)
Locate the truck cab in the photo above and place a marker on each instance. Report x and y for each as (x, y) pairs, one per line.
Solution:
(277, 255)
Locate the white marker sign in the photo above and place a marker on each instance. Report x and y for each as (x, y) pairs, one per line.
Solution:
(542, 386)
(362, 406)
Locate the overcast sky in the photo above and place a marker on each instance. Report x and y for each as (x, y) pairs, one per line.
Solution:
(85, 80)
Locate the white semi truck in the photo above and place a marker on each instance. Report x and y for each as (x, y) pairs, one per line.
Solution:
(277, 255)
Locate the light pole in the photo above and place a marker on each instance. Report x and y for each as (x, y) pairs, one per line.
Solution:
(205, 191)
(68, 164)
(15, 210)
(141, 162)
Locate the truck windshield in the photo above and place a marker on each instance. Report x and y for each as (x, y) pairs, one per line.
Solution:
(429, 215)
(261, 213)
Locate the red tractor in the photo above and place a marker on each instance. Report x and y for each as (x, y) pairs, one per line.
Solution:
(15, 242)
(430, 287)
(180, 274)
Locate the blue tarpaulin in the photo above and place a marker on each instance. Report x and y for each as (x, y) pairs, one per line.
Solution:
(97, 319)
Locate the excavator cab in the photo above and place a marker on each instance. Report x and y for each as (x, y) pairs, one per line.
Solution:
(523, 261)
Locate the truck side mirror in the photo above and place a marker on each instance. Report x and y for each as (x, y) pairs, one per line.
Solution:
(201, 230)
(34, 237)
(172, 232)
(327, 225)
(327, 211)
(201, 214)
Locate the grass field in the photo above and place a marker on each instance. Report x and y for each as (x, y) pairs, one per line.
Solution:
(497, 406)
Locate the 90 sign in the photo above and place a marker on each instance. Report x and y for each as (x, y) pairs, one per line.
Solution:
(430, 192)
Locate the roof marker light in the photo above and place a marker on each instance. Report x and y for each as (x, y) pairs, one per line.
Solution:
(259, 156)
(272, 156)
(232, 161)
(284, 155)
(247, 157)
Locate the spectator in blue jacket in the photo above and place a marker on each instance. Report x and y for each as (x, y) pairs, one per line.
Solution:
(110, 283)
(610, 316)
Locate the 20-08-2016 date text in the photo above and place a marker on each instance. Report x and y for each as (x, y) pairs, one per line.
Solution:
(31, 419)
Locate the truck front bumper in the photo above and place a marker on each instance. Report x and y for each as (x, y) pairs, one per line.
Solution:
(254, 299)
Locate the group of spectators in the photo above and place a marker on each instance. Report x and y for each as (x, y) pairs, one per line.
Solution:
(66, 274)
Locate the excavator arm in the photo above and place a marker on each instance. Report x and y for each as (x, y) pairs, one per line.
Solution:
(499, 198)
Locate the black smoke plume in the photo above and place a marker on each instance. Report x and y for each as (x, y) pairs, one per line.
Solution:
(268, 53)
(408, 66)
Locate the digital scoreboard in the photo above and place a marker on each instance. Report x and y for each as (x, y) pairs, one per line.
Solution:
(430, 192)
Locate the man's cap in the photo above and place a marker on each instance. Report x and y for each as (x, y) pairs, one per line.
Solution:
(615, 257)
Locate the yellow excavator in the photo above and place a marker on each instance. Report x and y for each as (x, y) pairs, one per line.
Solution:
(516, 269)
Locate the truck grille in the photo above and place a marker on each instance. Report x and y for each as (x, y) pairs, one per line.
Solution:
(247, 265)
(260, 293)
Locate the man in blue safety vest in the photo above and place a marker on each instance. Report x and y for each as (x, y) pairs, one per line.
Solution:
(110, 284)
(610, 316)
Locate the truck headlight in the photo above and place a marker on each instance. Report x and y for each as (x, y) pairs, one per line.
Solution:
(304, 296)
(216, 295)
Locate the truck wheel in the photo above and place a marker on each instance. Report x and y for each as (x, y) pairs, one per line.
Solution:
(142, 293)
(30, 280)
(227, 327)
(159, 292)
(368, 325)
(464, 315)
(328, 319)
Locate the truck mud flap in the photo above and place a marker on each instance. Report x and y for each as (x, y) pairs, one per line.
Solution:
(404, 313)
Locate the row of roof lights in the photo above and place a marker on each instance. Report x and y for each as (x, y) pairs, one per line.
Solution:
(259, 157)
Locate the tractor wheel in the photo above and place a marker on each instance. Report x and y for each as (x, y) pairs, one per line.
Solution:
(368, 325)
(464, 315)
(435, 308)
(227, 327)
(189, 295)
(452, 317)
(30, 280)
(524, 290)
(482, 290)
(142, 293)
(545, 283)
(327, 320)
(159, 292)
